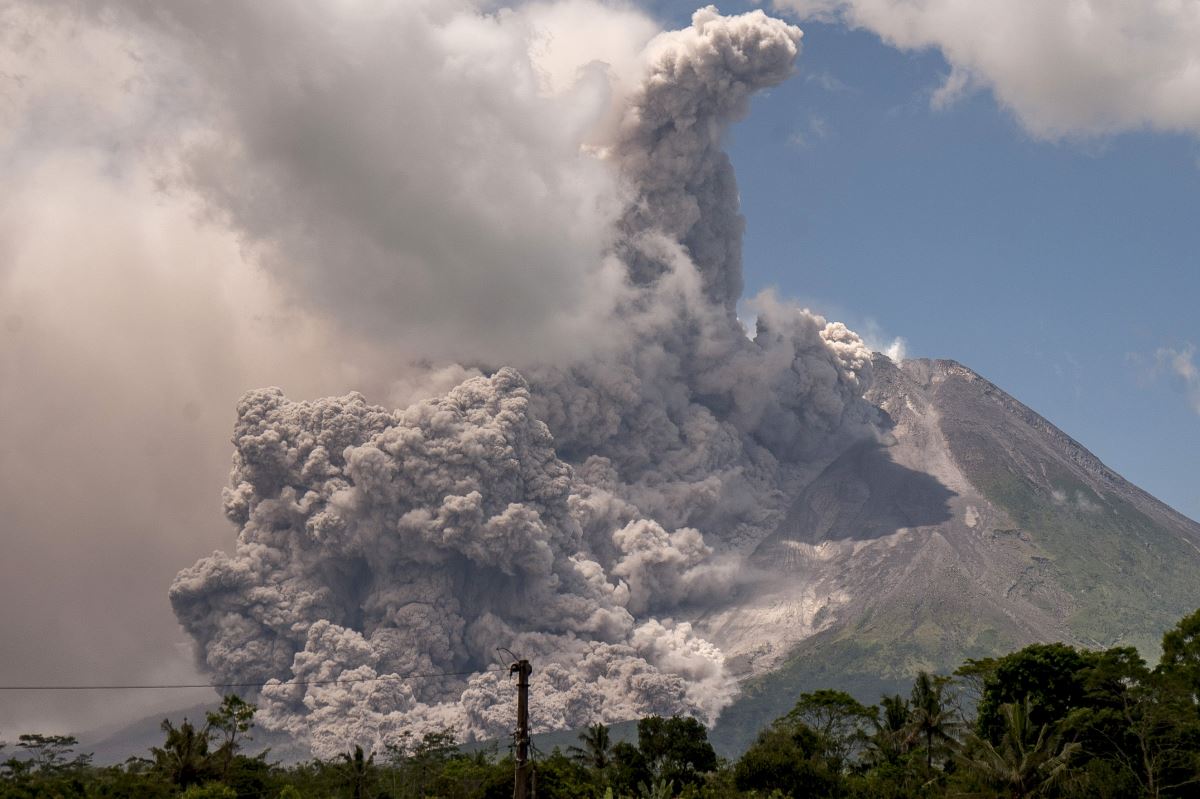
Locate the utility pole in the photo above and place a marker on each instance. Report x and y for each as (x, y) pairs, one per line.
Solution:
(522, 669)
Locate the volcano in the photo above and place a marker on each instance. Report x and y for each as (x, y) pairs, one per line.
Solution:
(971, 527)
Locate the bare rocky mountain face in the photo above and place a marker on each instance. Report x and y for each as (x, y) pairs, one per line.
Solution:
(973, 527)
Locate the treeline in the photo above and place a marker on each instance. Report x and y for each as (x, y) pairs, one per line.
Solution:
(1048, 720)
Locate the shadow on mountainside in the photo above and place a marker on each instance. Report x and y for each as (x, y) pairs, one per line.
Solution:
(862, 495)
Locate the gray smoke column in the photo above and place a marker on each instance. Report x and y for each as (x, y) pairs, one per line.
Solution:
(576, 514)
(693, 422)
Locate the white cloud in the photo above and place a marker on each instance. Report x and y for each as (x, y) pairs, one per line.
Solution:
(372, 186)
(827, 81)
(1084, 67)
(1181, 364)
(814, 130)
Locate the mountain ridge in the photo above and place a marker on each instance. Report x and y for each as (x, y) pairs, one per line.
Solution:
(1084, 456)
(1035, 539)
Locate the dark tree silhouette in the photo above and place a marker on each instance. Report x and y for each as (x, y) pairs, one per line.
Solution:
(931, 720)
(184, 758)
(1028, 758)
(359, 770)
(596, 751)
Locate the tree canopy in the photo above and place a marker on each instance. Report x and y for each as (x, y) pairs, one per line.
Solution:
(1048, 720)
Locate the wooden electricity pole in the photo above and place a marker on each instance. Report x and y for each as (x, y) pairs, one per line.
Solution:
(521, 788)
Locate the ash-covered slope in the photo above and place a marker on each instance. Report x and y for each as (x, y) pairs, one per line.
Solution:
(974, 526)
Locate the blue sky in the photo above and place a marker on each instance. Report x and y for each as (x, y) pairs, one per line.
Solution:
(1056, 269)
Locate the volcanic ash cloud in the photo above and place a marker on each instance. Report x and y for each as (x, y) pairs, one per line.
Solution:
(573, 512)
(378, 543)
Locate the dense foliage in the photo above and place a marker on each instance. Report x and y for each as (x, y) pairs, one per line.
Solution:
(1048, 721)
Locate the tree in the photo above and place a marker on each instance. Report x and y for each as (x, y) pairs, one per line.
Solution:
(838, 718)
(1153, 733)
(931, 719)
(212, 790)
(971, 679)
(359, 771)
(1052, 676)
(233, 718)
(136, 779)
(628, 767)
(51, 754)
(1181, 653)
(789, 757)
(555, 774)
(890, 739)
(481, 774)
(1100, 721)
(1028, 758)
(676, 749)
(659, 789)
(184, 757)
(427, 759)
(596, 752)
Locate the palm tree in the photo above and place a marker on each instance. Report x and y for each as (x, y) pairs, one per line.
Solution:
(1027, 759)
(930, 718)
(890, 739)
(358, 771)
(596, 752)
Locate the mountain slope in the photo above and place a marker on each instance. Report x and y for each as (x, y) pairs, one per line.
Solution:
(973, 527)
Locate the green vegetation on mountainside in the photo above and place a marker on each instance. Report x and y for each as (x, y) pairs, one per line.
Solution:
(1128, 577)
(877, 654)
(1114, 575)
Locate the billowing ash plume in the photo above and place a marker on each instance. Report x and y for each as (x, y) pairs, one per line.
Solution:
(574, 513)
(379, 543)
(695, 418)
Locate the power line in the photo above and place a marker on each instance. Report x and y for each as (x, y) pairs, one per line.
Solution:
(158, 686)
